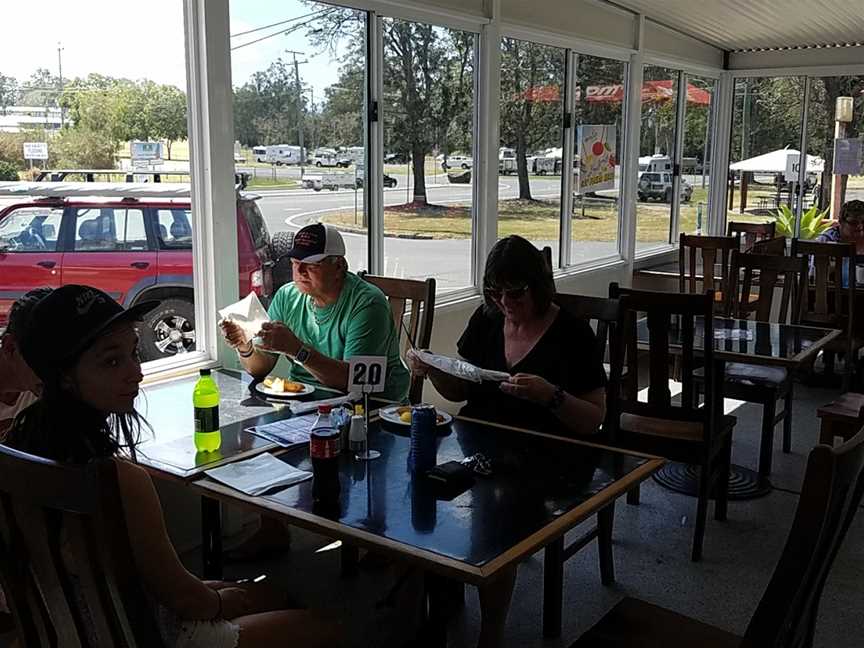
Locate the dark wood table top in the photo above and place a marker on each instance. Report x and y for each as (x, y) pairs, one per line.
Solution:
(540, 487)
(169, 451)
(769, 343)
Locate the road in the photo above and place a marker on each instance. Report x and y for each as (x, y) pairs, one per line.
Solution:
(449, 261)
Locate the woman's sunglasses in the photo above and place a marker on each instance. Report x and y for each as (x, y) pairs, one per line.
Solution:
(511, 293)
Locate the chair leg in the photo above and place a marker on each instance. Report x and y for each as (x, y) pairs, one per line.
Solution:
(721, 503)
(633, 496)
(605, 520)
(766, 447)
(701, 511)
(553, 586)
(787, 420)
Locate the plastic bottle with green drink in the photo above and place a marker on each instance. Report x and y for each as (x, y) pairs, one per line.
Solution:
(205, 398)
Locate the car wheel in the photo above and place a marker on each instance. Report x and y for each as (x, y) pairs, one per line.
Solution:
(168, 330)
(640, 196)
(281, 244)
(318, 164)
(278, 164)
(668, 196)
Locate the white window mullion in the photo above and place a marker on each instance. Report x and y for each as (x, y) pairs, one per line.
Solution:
(630, 163)
(568, 154)
(677, 157)
(720, 147)
(374, 111)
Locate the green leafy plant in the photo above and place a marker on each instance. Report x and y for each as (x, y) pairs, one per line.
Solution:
(813, 222)
(8, 172)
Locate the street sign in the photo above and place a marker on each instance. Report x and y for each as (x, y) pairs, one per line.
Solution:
(35, 150)
(145, 150)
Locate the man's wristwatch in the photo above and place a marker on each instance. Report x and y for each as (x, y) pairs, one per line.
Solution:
(302, 355)
(557, 399)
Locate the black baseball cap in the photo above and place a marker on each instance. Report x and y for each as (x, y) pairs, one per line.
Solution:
(65, 322)
(314, 243)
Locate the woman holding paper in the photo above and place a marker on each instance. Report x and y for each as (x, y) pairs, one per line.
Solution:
(556, 376)
(90, 374)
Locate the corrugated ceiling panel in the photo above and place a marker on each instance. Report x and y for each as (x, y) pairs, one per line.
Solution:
(745, 24)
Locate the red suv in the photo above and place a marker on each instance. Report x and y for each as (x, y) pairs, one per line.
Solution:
(134, 241)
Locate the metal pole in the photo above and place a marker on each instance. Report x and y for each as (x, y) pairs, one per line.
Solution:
(300, 111)
(60, 73)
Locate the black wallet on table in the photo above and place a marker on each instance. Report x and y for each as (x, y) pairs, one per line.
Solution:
(450, 478)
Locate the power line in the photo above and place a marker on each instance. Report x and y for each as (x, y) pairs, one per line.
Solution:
(317, 11)
(283, 32)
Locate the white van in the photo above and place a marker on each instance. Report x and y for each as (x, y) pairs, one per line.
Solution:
(280, 154)
(259, 153)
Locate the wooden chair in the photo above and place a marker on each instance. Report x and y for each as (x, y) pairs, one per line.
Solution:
(787, 613)
(755, 383)
(688, 433)
(606, 316)
(830, 304)
(709, 249)
(775, 246)
(842, 417)
(749, 233)
(52, 517)
(547, 256)
(417, 298)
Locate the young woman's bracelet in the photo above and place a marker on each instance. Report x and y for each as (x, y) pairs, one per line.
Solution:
(247, 353)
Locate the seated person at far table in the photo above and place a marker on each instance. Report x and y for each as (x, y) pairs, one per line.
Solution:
(323, 319)
(557, 378)
(848, 229)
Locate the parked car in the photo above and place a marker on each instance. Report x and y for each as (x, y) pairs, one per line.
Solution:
(134, 241)
(397, 158)
(659, 186)
(457, 162)
(389, 181)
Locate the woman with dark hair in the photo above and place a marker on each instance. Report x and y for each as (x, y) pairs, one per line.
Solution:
(556, 380)
(90, 371)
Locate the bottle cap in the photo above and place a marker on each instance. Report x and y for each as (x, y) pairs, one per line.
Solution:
(324, 409)
(205, 372)
(358, 410)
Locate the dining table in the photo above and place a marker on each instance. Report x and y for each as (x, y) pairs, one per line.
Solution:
(539, 486)
(788, 346)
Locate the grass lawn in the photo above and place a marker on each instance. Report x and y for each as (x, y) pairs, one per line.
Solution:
(270, 183)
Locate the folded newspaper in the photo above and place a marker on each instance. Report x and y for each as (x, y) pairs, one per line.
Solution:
(249, 314)
(258, 475)
(461, 368)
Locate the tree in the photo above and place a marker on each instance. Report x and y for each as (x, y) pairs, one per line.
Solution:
(82, 148)
(8, 92)
(268, 107)
(168, 108)
(41, 89)
(532, 76)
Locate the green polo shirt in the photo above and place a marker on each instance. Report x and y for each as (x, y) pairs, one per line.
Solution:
(358, 323)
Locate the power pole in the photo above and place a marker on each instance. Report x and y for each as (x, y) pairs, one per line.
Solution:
(301, 125)
(60, 74)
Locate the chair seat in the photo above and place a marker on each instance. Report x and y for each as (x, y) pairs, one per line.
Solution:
(637, 624)
(667, 428)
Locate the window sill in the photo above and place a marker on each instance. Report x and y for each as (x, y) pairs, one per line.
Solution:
(655, 256)
(166, 369)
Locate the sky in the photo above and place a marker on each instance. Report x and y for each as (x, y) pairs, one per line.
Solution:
(145, 40)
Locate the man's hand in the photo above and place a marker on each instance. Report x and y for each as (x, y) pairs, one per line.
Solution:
(415, 365)
(233, 334)
(235, 602)
(275, 336)
(529, 387)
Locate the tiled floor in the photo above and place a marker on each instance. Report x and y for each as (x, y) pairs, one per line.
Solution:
(652, 547)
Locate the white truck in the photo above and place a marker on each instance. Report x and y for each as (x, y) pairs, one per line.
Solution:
(331, 181)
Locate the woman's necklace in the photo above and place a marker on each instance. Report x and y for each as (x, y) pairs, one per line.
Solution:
(321, 315)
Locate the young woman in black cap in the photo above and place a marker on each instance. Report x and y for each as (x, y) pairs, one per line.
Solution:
(84, 348)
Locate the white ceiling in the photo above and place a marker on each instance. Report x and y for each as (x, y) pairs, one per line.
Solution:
(750, 24)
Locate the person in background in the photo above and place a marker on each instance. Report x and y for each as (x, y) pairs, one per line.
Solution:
(19, 386)
(323, 319)
(848, 229)
(556, 382)
(91, 373)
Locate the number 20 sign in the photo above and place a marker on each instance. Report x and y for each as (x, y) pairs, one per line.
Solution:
(367, 373)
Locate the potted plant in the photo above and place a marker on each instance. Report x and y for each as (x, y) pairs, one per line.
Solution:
(813, 222)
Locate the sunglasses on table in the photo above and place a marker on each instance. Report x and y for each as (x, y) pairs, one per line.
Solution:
(510, 293)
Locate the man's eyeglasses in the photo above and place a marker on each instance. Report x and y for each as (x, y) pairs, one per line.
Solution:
(511, 293)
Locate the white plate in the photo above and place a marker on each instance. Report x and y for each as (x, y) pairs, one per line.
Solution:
(391, 415)
(271, 393)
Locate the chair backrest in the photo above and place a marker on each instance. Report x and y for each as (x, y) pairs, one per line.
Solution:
(607, 317)
(829, 303)
(65, 559)
(668, 316)
(713, 250)
(750, 233)
(547, 256)
(830, 497)
(417, 298)
(775, 246)
(763, 272)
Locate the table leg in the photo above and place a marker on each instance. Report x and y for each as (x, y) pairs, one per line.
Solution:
(553, 584)
(435, 628)
(211, 538)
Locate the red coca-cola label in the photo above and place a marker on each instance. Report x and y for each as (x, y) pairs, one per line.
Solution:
(324, 446)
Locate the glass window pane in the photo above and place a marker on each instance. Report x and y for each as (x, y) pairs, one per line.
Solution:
(30, 229)
(299, 73)
(599, 132)
(428, 147)
(696, 161)
(529, 160)
(656, 155)
(766, 136)
(834, 173)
